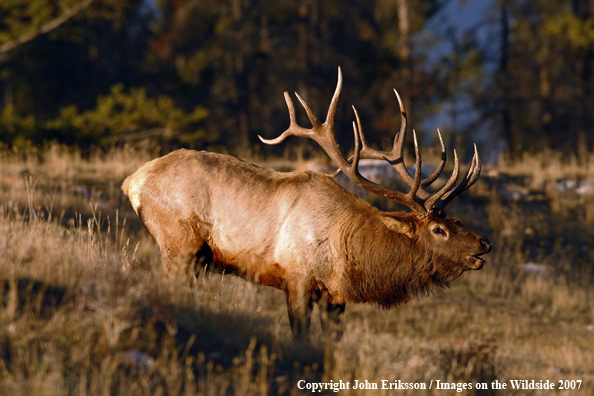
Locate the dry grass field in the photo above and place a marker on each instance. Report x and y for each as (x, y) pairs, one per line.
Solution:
(86, 310)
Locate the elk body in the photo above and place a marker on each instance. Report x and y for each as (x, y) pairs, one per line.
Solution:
(302, 233)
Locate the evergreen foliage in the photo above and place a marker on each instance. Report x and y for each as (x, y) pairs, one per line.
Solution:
(215, 71)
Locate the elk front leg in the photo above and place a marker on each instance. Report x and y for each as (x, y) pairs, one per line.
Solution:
(300, 305)
(331, 316)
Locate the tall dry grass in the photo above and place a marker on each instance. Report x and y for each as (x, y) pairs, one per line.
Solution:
(547, 165)
(85, 309)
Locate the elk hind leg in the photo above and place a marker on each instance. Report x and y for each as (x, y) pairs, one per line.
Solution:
(180, 260)
(180, 242)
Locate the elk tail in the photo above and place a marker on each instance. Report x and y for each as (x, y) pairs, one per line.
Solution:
(126, 185)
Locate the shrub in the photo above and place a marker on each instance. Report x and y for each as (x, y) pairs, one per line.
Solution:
(129, 116)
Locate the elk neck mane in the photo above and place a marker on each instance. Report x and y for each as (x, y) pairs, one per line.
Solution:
(387, 267)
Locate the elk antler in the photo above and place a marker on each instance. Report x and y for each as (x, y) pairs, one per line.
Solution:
(419, 200)
(441, 198)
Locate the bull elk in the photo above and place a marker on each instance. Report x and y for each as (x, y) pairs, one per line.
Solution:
(302, 233)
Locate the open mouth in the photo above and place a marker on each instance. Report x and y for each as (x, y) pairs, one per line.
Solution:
(476, 262)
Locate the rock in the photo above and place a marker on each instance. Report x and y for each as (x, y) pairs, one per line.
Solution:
(138, 360)
(537, 269)
(585, 188)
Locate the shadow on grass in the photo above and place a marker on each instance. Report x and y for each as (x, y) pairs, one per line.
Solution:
(163, 345)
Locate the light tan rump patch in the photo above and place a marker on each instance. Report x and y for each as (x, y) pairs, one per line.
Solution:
(134, 183)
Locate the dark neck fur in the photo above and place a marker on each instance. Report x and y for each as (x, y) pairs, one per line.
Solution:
(388, 268)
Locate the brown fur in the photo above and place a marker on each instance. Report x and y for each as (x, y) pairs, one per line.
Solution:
(298, 232)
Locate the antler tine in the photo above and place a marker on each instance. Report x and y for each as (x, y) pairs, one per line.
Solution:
(332, 109)
(355, 164)
(396, 151)
(395, 156)
(335, 173)
(471, 177)
(310, 114)
(359, 136)
(354, 159)
(418, 164)
(399, 138)
(294, 129)
(477, 171)
(430, 202)
(429, 180)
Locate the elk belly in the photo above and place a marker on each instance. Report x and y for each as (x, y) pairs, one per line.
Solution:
(254, 270)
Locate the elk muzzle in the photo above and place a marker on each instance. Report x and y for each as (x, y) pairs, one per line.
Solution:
(476, 262)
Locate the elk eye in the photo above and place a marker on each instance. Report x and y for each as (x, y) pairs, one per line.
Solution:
(438, 231)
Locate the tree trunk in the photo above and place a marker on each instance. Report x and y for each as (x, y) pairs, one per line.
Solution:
(545, 92)
(404, 52)
(242, 102)
(505, 77)
(582, 10)
(303, 45)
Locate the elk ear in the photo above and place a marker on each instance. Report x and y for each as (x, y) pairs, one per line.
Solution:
(399, 225)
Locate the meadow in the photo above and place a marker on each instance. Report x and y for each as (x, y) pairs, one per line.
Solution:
(85, 308)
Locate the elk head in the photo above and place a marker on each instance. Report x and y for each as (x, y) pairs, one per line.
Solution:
(450, 248)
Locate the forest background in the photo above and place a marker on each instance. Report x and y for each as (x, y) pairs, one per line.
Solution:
(209, 74)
